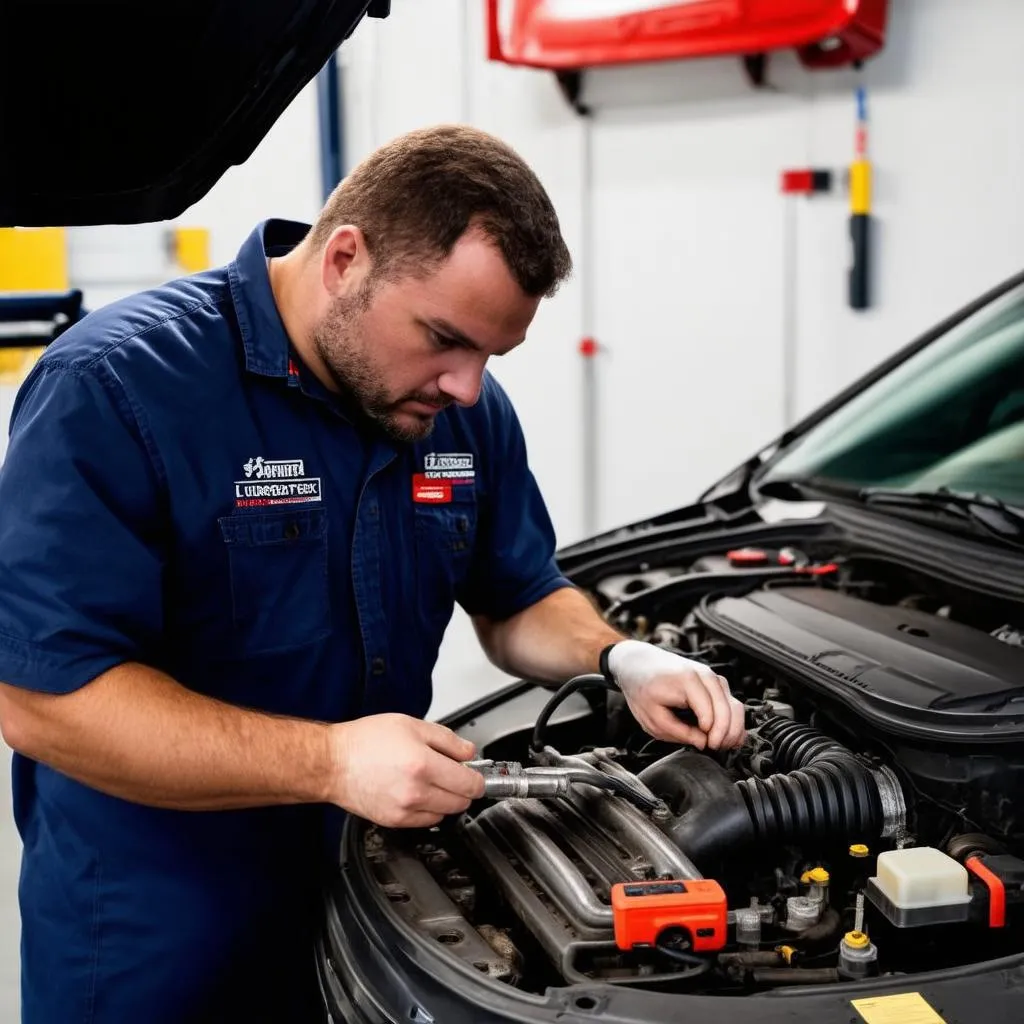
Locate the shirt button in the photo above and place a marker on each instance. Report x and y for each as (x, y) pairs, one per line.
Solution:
(462, 524)
(291, 531)
(372, 511)
(378, 666)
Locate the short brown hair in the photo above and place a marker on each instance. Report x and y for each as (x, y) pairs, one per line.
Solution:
(415, 197)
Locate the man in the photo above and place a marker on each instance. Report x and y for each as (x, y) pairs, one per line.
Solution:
(236, 514)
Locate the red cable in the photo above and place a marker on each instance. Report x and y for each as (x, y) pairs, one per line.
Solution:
(996, 892)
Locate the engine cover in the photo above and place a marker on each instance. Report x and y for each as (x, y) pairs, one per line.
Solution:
(900, 665)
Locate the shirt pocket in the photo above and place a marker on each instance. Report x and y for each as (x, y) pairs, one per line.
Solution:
(445, 535)
(277, 563)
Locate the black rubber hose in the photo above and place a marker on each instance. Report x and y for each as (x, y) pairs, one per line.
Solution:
(822, 791)
(963, 847)
(709, 815)
(616, 785)
(794, 975)
(824, 931)
(584, 682)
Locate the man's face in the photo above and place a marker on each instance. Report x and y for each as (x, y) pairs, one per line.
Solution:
(405, 349)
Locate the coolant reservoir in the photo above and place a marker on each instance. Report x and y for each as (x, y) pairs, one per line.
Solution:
(918, 886)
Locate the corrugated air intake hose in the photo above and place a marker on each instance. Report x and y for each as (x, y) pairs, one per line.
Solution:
(822, 792)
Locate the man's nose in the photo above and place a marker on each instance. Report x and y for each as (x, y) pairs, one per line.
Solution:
(463, 385)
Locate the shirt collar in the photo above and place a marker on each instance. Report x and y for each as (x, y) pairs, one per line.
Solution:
(264, 337)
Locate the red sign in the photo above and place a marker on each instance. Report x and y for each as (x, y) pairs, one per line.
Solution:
(430, 492)
(574, 34)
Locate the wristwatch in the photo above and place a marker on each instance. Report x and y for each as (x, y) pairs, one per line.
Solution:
(602, 663)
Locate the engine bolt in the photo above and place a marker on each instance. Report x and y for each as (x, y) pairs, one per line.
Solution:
(661, 813)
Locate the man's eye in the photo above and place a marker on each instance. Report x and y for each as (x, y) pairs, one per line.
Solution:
(443, 341)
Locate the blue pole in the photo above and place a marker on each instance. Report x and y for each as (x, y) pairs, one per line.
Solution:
(331, 114)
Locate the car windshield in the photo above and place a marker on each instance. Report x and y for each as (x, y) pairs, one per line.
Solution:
(951, 416)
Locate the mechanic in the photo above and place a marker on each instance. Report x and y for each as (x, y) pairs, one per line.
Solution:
(238, 511)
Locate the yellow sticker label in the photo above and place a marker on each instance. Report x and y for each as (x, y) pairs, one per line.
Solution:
(908, 1008)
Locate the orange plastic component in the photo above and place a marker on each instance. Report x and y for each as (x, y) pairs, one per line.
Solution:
(642, 911)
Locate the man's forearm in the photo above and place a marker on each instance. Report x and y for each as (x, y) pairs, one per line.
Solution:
(137, 734)
(558, 637)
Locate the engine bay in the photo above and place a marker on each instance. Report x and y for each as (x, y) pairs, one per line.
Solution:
(870, 824)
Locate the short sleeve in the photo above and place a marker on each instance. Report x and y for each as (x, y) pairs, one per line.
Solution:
(514, 556)
(80, 560)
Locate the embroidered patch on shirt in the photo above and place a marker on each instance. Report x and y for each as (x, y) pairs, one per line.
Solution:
(430, 492)
(454, 467)
(275, 482)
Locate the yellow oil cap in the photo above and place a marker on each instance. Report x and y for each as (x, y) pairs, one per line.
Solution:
(786, 952)
(859, 850)
(819, 875)
(856, 939)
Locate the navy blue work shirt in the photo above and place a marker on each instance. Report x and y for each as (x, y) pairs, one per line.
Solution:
(179, 491)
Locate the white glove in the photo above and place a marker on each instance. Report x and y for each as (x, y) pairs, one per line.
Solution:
(655, 681)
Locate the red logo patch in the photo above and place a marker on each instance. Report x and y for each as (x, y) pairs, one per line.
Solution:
(430, 492)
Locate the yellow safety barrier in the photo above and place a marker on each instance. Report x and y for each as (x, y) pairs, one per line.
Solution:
(31, 260)
(15, 364)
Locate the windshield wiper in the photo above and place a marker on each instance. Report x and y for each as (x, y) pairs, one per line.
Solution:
(979, 511)
(807, 488)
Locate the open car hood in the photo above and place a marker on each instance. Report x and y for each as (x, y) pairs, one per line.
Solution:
(118, 113)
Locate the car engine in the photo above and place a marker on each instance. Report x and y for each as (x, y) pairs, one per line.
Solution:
(870, 824)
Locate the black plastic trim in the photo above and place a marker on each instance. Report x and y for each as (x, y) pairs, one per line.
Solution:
(894, 719)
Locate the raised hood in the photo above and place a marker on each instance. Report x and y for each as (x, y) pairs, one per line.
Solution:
(120, 112)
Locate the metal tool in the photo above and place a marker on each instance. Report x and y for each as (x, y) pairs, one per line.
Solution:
(505, 779)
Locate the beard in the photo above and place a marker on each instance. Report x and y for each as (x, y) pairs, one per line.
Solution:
(348, 355)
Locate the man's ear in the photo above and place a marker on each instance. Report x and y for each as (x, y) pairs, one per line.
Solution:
(346, 261)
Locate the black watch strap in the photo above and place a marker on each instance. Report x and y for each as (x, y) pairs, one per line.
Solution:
(602, 662)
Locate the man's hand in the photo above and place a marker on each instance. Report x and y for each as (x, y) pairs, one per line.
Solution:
(655, 682)
(401, 772)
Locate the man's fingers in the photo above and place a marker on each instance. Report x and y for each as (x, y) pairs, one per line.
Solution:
(737, 732)
(719, 716)
(686, 690)
(448, 775)
(440, 801)
(444, 741)
(718, 688)
(661, 723)
(418, 819)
